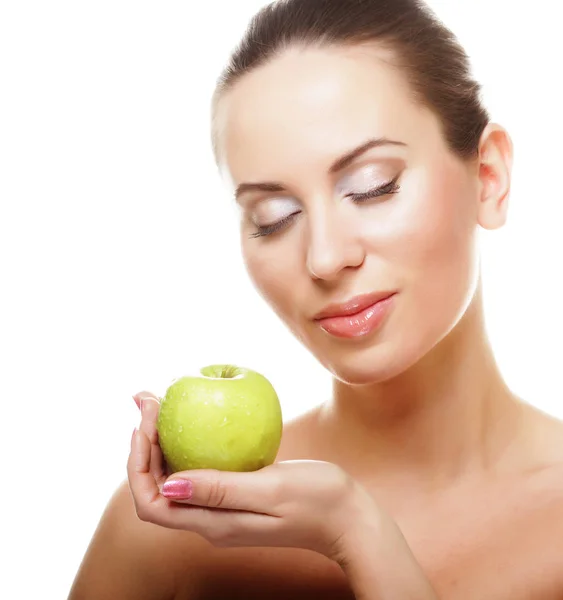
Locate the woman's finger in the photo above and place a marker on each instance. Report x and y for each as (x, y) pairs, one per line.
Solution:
(255, 491)
(150, 405)
(149, 503)
(149, 411)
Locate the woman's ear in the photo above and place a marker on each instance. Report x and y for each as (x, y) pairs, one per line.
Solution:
(495, 168)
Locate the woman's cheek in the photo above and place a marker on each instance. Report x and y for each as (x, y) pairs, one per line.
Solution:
(430, 226)
(271, 270)
(438, 259)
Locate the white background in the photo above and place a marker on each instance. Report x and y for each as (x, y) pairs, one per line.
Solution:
(119, 260)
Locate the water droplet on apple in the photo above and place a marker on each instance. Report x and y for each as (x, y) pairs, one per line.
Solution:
(181, 429)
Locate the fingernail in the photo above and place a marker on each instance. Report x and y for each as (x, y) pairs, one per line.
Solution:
(137, 402)
(178, 488)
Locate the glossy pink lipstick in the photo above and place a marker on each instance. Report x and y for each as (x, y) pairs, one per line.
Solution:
(357, 317)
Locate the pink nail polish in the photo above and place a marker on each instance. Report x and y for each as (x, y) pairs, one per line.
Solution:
(181, 489)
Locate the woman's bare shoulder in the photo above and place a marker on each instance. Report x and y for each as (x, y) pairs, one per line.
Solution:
(542, 438)
(131, 559)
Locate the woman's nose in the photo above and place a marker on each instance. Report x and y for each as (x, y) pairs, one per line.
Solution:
(333, 247)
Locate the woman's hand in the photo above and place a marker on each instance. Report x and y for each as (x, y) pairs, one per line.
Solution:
(300, 503)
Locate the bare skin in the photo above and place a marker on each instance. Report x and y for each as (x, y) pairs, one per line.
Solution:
(495, 536)
(420, 414)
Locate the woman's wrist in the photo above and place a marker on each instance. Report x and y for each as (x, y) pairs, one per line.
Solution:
(376, 558)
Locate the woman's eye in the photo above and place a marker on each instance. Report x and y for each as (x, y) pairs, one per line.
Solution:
(263, 230)
(276, 213)
(390, 187)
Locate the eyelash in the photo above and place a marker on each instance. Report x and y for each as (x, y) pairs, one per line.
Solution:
(269, 229)
(390, 187)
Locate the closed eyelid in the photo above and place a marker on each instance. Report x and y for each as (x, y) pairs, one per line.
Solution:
(250, 195)
(269, 209)
(364, 179)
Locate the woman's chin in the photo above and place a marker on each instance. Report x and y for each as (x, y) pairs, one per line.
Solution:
(374, 364)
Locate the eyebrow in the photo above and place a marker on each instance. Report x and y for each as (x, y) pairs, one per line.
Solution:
(338, 165)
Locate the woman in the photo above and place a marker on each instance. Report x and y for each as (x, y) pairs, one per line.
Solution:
(364, 165)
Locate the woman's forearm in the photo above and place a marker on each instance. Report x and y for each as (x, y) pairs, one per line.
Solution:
(379, 563)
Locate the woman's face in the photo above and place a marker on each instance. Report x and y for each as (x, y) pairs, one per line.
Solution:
(313, 232)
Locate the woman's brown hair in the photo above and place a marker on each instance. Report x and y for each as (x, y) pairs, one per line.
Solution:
(435, 63)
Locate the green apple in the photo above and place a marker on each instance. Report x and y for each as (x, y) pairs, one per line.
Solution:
(229, 418)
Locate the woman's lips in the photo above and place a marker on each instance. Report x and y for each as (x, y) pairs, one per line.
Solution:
(360, 323)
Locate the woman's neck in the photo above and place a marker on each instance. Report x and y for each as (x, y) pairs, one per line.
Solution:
(450, 416)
